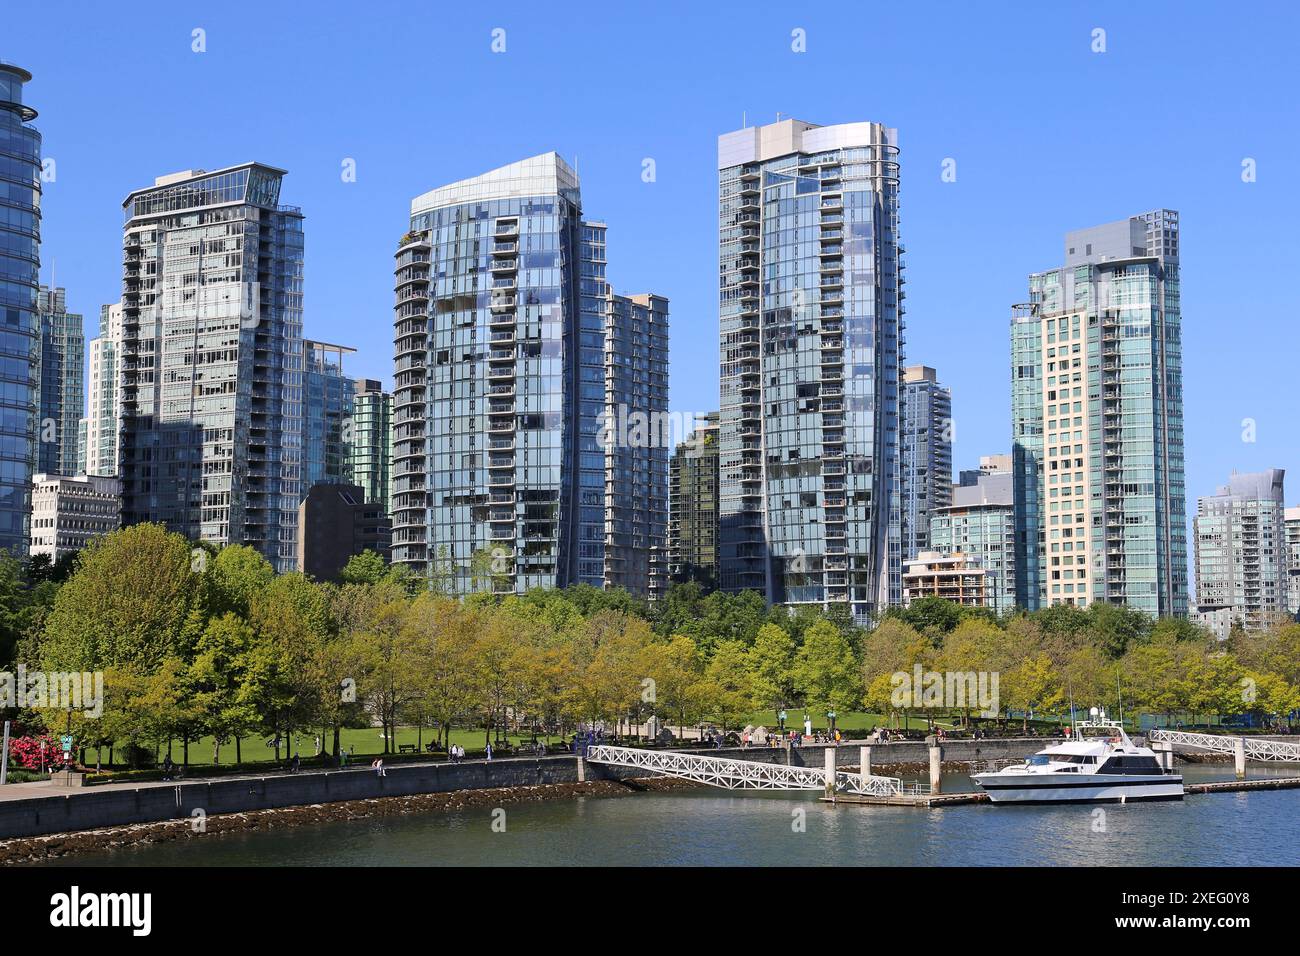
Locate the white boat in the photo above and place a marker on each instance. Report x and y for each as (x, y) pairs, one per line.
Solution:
(1100, 765)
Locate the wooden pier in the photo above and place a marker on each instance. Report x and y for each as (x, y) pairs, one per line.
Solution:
(911, 799)
(1259, 783)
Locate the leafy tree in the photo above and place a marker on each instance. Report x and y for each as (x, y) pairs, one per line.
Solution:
(772, 657)
(825, 672)
(728, 689)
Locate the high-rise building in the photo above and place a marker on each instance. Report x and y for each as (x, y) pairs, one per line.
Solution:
(636, 472)
(1291, 528)
(20, 246)
(512, 465)
(211, 362)
(693, 507)
(926, 455)
(369, 449)
(1241, 562)
(63, 384)
(99, 428)
(981, 523)
(811, 323)
(1096, 377)
(326, 411)
(68, 513)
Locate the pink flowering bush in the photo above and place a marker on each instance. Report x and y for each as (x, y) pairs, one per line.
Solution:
(25, 752)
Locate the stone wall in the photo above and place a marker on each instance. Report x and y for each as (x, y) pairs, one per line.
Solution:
(95, 807)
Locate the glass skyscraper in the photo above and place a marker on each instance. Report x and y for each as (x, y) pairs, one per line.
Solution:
(20, 242)
(1241, 553)
(211, 365)
(63, 385)
(100, 426)
(369, 450)
(926, 455)
(811, 323)
(1097, 407)
(510, 351)
(693, 507)
(326, 412)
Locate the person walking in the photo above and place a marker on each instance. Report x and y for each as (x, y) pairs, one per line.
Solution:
(488, 750)
(297, 763)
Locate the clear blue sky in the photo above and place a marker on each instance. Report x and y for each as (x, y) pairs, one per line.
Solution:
(1048, 136)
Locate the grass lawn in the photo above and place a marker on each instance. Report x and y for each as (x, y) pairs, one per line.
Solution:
(361, 742)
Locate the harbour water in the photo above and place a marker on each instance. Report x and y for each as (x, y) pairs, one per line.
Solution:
(717, 828)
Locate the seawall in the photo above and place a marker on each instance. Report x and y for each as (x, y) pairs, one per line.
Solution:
(37, 811)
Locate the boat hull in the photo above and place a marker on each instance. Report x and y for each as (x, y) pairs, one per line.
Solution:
(1111, 788)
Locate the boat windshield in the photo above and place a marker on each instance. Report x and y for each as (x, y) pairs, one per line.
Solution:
(1038, 760)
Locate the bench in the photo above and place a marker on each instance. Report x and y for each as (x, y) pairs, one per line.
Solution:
(407, 749)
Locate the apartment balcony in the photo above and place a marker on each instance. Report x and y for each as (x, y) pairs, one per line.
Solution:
(502, 266)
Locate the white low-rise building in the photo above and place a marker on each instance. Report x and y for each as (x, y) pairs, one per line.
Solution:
(68, 512)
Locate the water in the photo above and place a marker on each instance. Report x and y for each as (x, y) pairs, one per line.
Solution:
(712, 827)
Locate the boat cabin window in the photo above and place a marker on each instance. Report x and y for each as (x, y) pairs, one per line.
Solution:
(1074, 758)
(1038, 760)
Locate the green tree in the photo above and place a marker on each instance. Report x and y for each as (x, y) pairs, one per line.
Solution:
(825, 672)
(772, 657)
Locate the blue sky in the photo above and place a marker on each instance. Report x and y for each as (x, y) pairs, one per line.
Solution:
(1047, 135)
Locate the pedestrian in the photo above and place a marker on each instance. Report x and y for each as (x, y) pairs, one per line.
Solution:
(488, 750)
(297, 762)
(378, 766)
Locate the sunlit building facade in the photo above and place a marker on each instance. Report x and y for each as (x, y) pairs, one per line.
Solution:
(1241, 552)
(63, 384)
(811, 321)
(510, 468)
(20, 245)
(1098, 423)
(326, 415)
(211, 368)
(926, 454)
(369, 450)
(99, 428)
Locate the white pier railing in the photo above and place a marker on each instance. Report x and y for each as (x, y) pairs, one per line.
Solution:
(1255, 749)
(733, 774)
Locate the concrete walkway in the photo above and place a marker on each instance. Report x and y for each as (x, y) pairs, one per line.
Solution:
(44, 788)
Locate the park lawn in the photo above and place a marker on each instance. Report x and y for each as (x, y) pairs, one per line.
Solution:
(360, 741)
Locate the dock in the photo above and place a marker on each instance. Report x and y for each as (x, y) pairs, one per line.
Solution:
(910, 799)
(1259, 783)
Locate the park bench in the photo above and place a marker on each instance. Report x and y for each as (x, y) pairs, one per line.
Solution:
(407, 749)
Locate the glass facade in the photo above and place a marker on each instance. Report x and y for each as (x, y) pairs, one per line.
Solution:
(507, 345)
(1241, 552)
(63, 387)
(369, 448)
(20, 240)
(926, 454)
(1098, 422)
(693, 507)
(981, 524)
(99, 428)
(327, 409)
(810, 302)
(211, 365)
